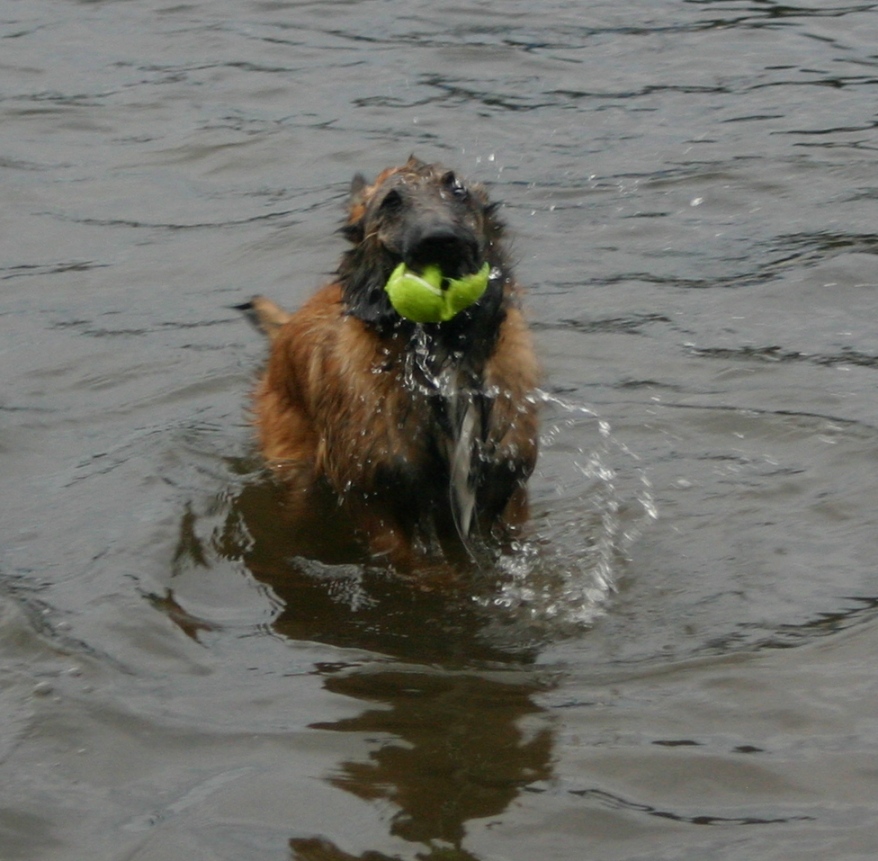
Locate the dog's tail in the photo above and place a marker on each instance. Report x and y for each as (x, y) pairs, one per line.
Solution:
(265, 315)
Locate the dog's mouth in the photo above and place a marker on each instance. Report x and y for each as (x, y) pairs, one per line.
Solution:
(453, 251)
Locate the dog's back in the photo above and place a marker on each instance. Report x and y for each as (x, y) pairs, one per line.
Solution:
(425, 432)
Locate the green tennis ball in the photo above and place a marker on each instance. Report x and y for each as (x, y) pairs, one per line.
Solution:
(417, 297)
(428, 297)
(466, 291)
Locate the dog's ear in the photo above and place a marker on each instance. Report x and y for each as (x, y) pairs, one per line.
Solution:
(359, 195)
(359, 184)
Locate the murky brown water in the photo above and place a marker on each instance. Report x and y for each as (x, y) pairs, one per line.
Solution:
(693, 190)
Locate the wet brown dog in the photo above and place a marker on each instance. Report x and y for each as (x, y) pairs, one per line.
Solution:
(425, 433)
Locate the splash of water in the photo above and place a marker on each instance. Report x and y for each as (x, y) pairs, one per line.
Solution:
(591, 499)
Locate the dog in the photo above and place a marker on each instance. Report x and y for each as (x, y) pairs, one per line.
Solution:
(424, 433)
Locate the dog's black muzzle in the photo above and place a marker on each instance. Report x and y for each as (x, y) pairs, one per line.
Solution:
(443, 243)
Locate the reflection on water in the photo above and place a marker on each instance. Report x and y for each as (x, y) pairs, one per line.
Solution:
(445, 749)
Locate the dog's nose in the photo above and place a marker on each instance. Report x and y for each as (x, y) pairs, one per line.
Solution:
(452, 248)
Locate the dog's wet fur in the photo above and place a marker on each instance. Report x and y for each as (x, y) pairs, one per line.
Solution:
(424, 434)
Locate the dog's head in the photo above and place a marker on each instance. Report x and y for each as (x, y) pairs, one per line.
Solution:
(420, 214)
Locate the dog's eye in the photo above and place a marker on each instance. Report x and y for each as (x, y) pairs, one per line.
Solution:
(392, 203)
(455, 186)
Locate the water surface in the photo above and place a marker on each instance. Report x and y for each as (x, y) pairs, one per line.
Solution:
(692, 190)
